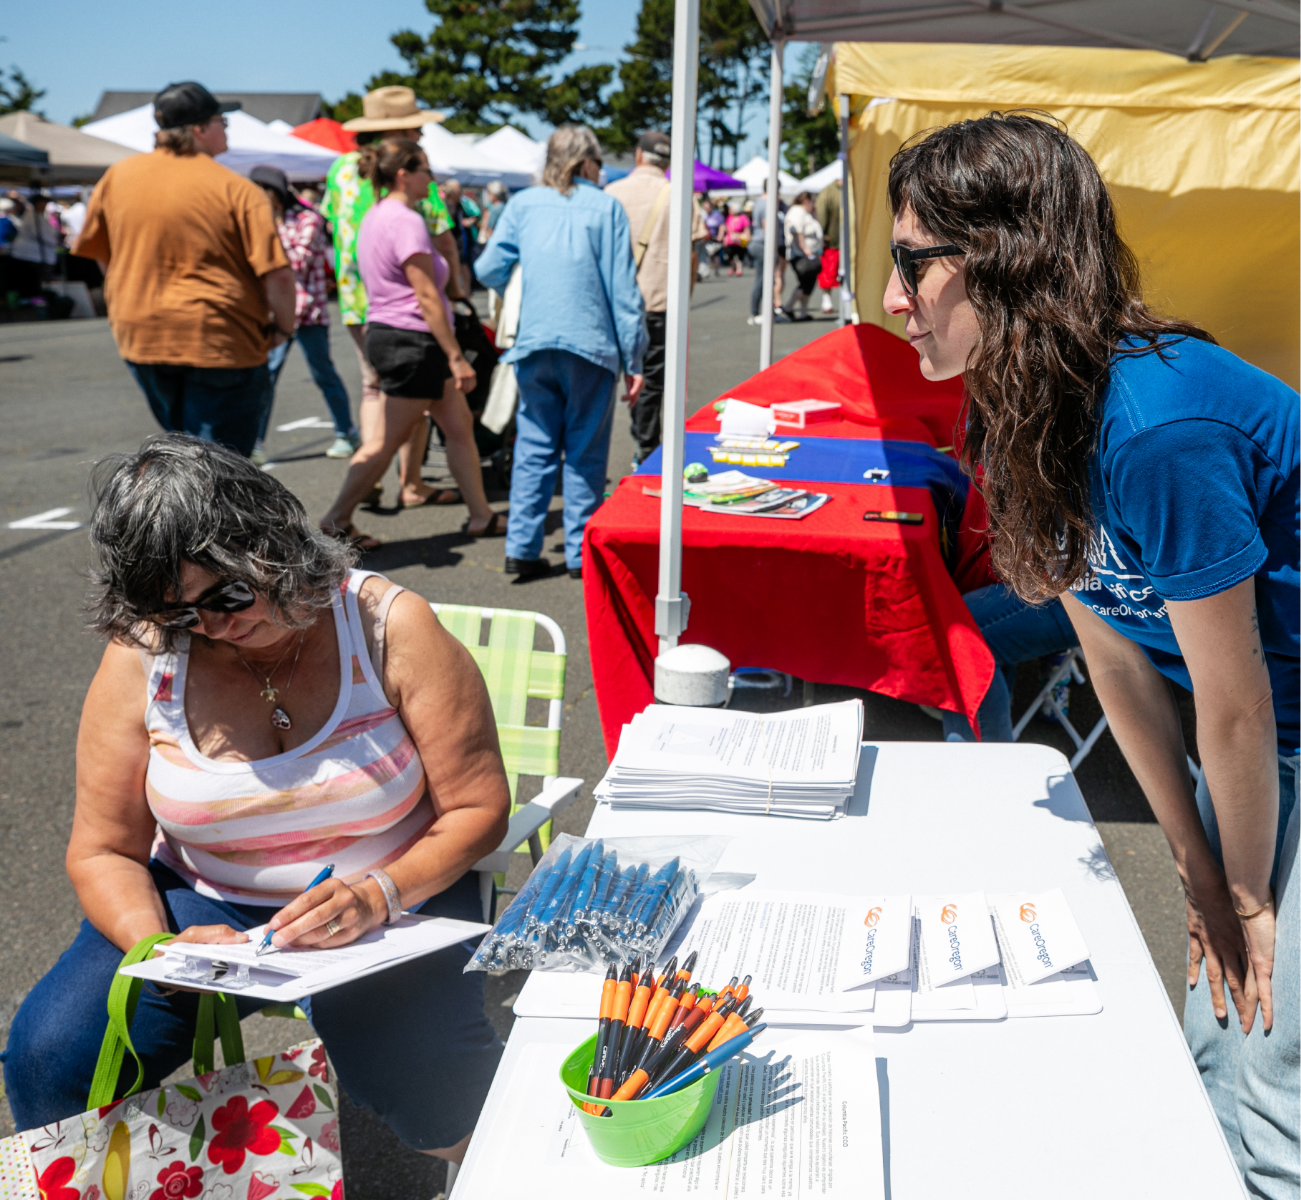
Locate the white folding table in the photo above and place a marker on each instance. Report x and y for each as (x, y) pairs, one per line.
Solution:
(1108, 1105)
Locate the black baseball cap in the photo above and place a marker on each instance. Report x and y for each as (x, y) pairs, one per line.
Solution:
(181, 104)
(275, 179)
(655, 142)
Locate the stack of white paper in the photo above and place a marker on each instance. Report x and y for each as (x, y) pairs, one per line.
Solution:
(801, 763)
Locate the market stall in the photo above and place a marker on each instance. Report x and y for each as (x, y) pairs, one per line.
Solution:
(19, 161)
(74, 156)
(252, 144)
(870, 604)
(1203, 161)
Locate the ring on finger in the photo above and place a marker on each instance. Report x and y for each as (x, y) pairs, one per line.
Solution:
(332, 926)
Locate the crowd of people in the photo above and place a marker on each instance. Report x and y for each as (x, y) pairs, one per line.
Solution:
(402, 255)
(808, 242)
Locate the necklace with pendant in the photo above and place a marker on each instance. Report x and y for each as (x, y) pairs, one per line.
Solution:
(279, 718)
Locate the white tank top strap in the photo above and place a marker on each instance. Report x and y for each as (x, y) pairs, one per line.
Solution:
(381, 626)
(372, 660)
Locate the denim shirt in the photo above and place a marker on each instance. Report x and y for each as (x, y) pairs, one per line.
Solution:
(580, 282)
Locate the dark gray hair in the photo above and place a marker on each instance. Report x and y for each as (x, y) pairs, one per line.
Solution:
(178, 500)
(567, 150)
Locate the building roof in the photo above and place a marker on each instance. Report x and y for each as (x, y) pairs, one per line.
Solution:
(297, 108)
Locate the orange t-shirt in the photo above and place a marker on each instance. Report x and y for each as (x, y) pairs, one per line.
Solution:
(186, 242)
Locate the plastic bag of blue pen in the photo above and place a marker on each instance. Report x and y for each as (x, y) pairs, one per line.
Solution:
(593, 903)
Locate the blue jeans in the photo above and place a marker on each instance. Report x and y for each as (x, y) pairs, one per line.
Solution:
(1016, 632)
(1254, 1081)
(565, 403)
(314, 341)
(411, 1042)
(217, 404)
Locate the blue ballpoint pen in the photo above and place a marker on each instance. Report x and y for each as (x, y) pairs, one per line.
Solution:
(321, 878)
(706, 1063)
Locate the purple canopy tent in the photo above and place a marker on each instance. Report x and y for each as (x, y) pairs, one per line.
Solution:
(709, 179)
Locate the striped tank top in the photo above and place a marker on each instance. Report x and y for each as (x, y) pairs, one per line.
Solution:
(257, 832)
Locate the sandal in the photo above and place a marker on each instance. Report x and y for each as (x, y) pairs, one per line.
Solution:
(354, 538)
(436, 498)
(496, 527)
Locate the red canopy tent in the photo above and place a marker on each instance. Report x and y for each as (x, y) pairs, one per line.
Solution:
(325, 132)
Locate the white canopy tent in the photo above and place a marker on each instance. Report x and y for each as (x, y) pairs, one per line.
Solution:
(1194, 29)
(755, 177)
(515, 152)
(452, 158)
(833, 172)
(252, 144)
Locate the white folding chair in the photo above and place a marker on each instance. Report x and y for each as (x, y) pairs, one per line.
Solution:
(1070, 666)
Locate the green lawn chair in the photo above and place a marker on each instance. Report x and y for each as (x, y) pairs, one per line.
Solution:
(516, 673)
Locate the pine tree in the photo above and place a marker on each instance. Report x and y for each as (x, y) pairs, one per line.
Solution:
(486, 60)
(18, 93)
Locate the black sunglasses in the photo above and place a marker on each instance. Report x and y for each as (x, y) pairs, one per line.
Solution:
(220, 598)
(905, 260)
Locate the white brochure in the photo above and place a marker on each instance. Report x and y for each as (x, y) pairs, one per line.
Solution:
(878, 933)
(1039, 934)
(957, 936)
(802, 1119)
(788, 942)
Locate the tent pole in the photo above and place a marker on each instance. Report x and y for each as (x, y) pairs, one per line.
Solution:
(671, 605)
(771, 230)
(846, 220)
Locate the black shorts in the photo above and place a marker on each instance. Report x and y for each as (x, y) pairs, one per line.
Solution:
(409, 363)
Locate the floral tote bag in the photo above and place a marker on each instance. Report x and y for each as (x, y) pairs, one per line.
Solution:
(261, 1130)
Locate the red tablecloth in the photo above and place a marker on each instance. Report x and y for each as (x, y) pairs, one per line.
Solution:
(831, 598)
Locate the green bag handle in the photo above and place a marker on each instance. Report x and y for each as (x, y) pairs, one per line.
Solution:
(124, 995)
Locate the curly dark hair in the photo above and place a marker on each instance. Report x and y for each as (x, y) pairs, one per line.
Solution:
(177, 500)
(1056, 293)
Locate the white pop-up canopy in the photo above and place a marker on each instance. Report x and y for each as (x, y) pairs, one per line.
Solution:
(833, 172)
(252, 144)
(452, 158)
(1193, 29)
(514, 151)
(755, 177)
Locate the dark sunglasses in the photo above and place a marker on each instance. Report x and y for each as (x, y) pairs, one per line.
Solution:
(220, 598)
(905, 261)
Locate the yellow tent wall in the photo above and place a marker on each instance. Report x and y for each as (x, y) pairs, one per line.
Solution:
(1203, 161)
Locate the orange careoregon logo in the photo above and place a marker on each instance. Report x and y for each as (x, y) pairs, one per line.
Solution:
(1027, 911)
(949, 914)
(873, 916)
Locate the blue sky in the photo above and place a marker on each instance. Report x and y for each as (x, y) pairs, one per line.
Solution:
(138, 45)
(83, 47)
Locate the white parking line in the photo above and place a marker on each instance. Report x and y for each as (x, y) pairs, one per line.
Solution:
(306, 423)
(46, 520)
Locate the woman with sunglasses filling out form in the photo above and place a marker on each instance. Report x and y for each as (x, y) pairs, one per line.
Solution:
(1149, 479)
(263, 710)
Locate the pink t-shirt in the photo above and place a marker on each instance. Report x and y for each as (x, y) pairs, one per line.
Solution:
(389, 235)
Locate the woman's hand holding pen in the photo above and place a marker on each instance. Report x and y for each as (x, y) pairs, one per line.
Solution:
(330, 915)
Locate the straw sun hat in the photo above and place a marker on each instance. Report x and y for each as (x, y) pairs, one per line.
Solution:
(391, 108)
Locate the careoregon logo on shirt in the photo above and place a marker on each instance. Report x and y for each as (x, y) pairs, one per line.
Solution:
(949, 914)
(873, 916)
(1027, 912)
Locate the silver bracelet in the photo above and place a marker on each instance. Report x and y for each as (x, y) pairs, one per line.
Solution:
(391, 897)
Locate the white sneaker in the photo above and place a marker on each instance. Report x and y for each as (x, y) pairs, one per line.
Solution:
(258, 457)
(344, 447)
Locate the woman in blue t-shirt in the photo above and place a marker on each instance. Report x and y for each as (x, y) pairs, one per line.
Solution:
(1149, 478)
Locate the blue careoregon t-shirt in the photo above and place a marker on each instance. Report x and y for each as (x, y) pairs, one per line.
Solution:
(1195, 487)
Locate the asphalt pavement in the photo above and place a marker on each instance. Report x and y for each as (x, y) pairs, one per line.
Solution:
(68, 402)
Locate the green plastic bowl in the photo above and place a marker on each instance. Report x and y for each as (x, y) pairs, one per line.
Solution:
(640, 1131)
